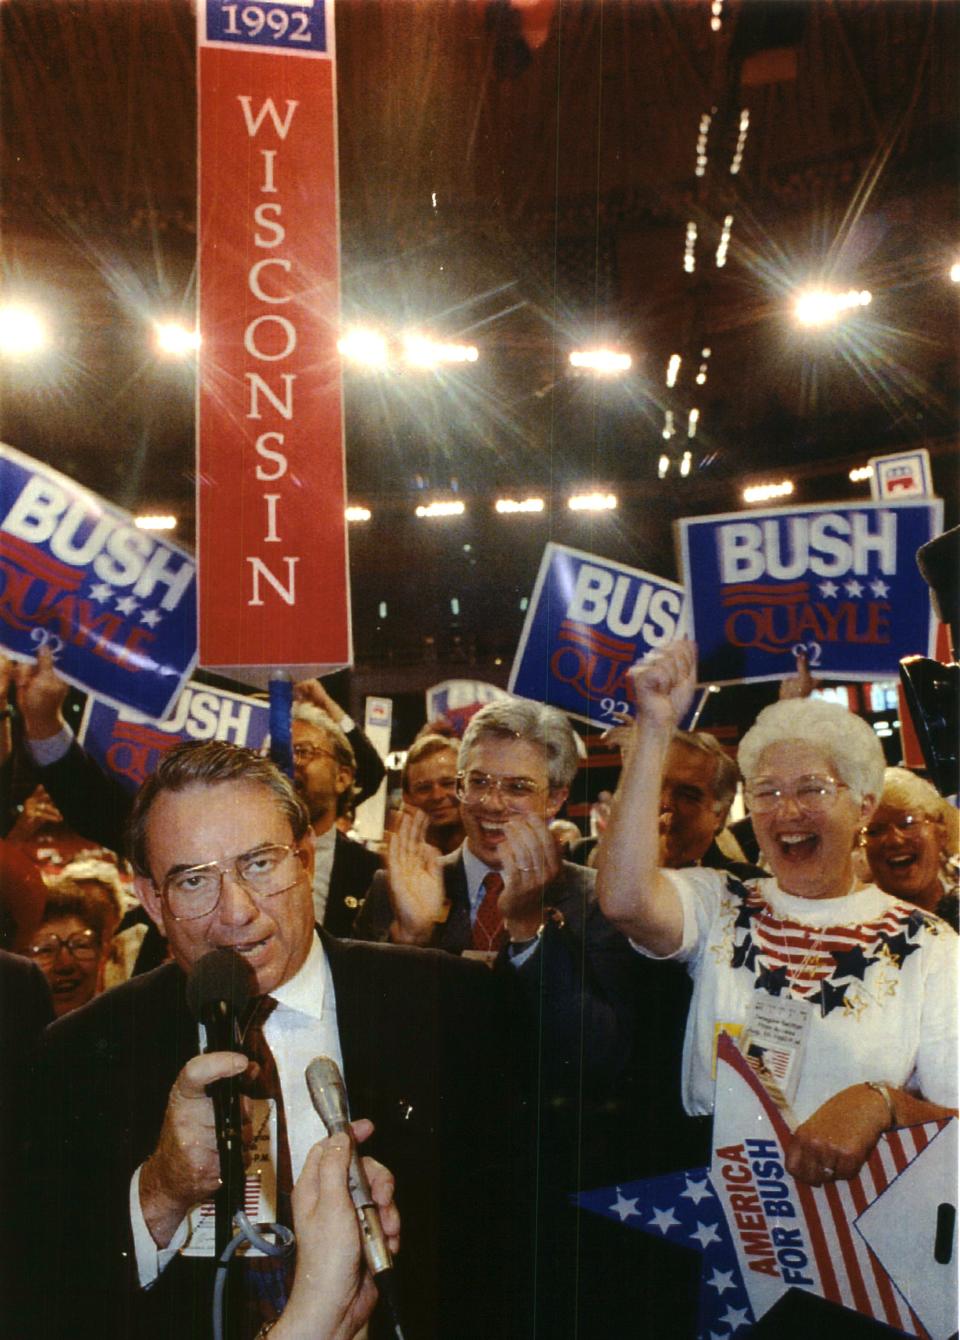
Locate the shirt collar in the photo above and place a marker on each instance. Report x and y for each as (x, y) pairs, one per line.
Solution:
(306, 989)
(476, 872)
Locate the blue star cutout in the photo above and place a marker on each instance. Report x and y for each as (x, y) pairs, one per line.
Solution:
(744, 953)
(852, 962)
(772, 980)
(831, 997)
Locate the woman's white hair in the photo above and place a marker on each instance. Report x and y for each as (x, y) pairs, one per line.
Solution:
(904, 790)
(845, 739)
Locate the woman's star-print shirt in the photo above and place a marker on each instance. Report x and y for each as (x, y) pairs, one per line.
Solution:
(878, 975)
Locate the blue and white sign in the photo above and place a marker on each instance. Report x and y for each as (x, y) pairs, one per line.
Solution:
(589, 620)
(296, 26)
(903, 474)
(116, 606)
(840, 583)
(129, 744)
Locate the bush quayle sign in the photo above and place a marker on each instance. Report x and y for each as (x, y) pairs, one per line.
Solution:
(129, 744)
(840, 583)
(116, 606)
(588, 621)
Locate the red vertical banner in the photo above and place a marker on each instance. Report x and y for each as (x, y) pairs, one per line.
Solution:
(273, 576)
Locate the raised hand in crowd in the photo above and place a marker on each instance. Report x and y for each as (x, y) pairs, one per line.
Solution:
(40, 696)
(800, 685)
(531, 860)
(416, 884)
(312, 691)
(333, 1293)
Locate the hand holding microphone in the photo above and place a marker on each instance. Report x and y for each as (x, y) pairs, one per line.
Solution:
(326, 1087)
(333, 1292)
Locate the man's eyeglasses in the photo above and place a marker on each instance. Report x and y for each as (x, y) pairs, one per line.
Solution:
(816, 795)
(306, 753)
(84, 946)
(907, 823)
(475, 788)
(265, 871)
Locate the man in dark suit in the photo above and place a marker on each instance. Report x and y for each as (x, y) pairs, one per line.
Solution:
(25, 1010)
(126, 1149)
(603, 1040)
(325, 769)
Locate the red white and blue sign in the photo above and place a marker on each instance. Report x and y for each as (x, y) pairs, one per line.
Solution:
(588, 621)
(116, 606)
(129, 745)
(839, 582)
(271, 494)
(762, 1233)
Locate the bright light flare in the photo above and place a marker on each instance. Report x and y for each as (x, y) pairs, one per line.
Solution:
(366, 347)
(420, 351)
(861, 474)
(592, 502)
(955, 272)
(605, 362)
(357, 513)
(673, 367)
(512, 505)
(22, 331)
(821, 307)
(155, 522)
(766, 492)
(441, 509)
(175, 339)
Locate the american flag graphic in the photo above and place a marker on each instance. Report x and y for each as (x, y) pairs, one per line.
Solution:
(689, 1208)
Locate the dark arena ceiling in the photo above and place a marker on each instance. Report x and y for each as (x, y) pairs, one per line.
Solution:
(523, 181)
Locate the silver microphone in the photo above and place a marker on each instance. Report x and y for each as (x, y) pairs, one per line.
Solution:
(330, 1099)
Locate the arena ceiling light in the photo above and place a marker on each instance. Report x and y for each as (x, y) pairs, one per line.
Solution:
(23, 331)
(357, 514)
(512, 505)
(436, 509)
(604, 362)
(422, 351)
(592, 502)
(758, 493)
(151, 521)
(822, 307)
(175, 339)
(367, 348)
(861, 473)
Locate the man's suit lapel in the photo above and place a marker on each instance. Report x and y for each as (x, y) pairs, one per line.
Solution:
(455, 932)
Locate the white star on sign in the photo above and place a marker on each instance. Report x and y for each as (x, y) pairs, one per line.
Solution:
(624, 1208)
(664, 1220)
(101, 592)
(880, 589)
(697, 1191)
(853, 588)
(722, 1280)
(735, 1317)
(829, 589)
(151, 617)
(126, 604)
(705, 1234)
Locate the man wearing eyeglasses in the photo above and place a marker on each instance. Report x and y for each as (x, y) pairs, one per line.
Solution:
(324, 772)
(127, 1150)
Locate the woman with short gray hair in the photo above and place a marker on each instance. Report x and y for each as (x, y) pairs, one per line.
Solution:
(872, 1043)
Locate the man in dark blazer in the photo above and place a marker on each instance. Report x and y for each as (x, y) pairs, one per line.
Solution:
(125, 1146)
(325, 769)
(603, 1041)
(25, 1010)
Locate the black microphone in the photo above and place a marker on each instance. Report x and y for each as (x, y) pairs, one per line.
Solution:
(218, 993)
(330, 1099)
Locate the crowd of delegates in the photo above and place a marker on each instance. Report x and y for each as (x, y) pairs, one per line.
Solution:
(584, 1058)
